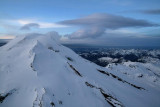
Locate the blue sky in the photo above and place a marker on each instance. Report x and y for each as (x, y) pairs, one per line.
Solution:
(84, 21)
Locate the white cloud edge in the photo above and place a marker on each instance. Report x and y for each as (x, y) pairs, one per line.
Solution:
(42, 24)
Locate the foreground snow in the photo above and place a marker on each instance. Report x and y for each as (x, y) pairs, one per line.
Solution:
(37, 71)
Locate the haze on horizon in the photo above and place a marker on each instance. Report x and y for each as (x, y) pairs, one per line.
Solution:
(91, 22)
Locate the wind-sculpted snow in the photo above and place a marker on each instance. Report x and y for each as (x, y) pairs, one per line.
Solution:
(37, 71)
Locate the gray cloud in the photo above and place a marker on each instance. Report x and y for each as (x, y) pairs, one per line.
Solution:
(96, 24)
(92, 32)
(108, 21)
(153, 11)
(117, 39)
(28, 26)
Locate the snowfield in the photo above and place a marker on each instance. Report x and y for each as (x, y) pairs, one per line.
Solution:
(37, 71)
(108, 59)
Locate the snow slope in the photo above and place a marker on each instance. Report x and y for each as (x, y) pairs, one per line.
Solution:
(37, 71)
(145, 73)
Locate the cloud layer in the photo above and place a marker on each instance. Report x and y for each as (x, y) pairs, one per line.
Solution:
(29, 26)
(39, 23)
(91, 32)
(108, 21)
(96, 24)
(152, 11)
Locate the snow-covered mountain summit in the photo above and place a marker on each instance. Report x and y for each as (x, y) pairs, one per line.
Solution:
(37, 71)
